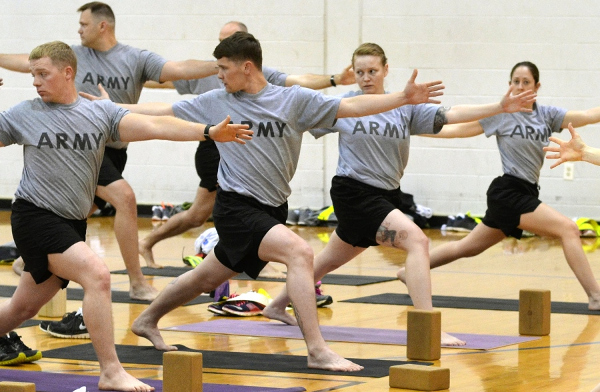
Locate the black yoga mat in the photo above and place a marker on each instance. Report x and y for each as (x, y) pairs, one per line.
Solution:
(440, 301)
(334, 279)
(169, 271)
(30, 323)
(148, 355)
(117, 296)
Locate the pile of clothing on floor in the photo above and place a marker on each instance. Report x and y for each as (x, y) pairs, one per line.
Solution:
(461, 222)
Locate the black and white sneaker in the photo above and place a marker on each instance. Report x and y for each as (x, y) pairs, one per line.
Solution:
(157, 213)
(18, 346)
(70, 327)
(461, 223)
(8, 355)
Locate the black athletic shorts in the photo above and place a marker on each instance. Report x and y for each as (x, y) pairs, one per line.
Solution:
(509, 197)
(207, 164)
(113, 165)
(38, 232)
(360, 209)
(242, 222)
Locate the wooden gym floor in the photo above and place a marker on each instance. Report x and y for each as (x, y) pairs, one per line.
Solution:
(566, 360)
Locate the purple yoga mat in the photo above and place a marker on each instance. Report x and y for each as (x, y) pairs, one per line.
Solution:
(62, 382)
(340, 334)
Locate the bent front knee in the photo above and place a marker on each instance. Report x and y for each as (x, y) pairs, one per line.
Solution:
(570, 230)
(98, 279)
(304, 256)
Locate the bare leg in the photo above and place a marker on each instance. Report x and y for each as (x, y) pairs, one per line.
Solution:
(179, 223)
(204, 278)
(27, 300)
(397, 231)
(80, 264)
(121, 196)
(547, 221)
(282, 245)
(480, 239)
(335, 254)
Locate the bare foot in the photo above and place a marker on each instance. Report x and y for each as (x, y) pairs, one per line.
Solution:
(146, 252)
(326, 359)
(593, 304)
(18, 265)
(279, 315)
(143, 292)
(449, 340)
(121, 381)
(271, 272)
(149, 330)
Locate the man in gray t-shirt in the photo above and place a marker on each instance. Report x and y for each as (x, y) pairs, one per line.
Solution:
(122, 70)
(207, 155)
(251, 203)
(63, 138)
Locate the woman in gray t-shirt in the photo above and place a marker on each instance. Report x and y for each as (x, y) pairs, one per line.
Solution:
(512, 199)
(366, 189)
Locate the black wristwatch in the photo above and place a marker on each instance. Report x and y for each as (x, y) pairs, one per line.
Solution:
(206, 130)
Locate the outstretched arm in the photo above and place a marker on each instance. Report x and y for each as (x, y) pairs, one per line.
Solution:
(509, 104)
(461, 120)
(572, 150)
(153, 84)
(148, 108)
(187, 69)
(15, 62)
(580, 118)
(137, 127)
(317, 82)
(413, 94)
(460, 130)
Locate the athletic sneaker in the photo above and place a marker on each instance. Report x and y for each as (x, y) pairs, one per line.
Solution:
(193, 261)
(243, 308)
(157, 213)
(460, 223)
(18, 346)
(167, 209)
(322, 300)
(8, 355)
(70, 327)
(217, 307)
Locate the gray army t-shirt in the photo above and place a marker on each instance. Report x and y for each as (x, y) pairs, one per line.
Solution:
(121, 70)
(264, 166)
(521, 138)
(203, 85)
(63, 147)
(374, 149)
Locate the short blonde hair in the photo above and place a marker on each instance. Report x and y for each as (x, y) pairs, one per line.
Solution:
(61, 54)
(370, 49)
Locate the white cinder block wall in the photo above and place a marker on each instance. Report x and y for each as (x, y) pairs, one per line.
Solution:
(469, 44)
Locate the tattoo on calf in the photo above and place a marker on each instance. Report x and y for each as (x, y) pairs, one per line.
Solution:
(300, 323)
